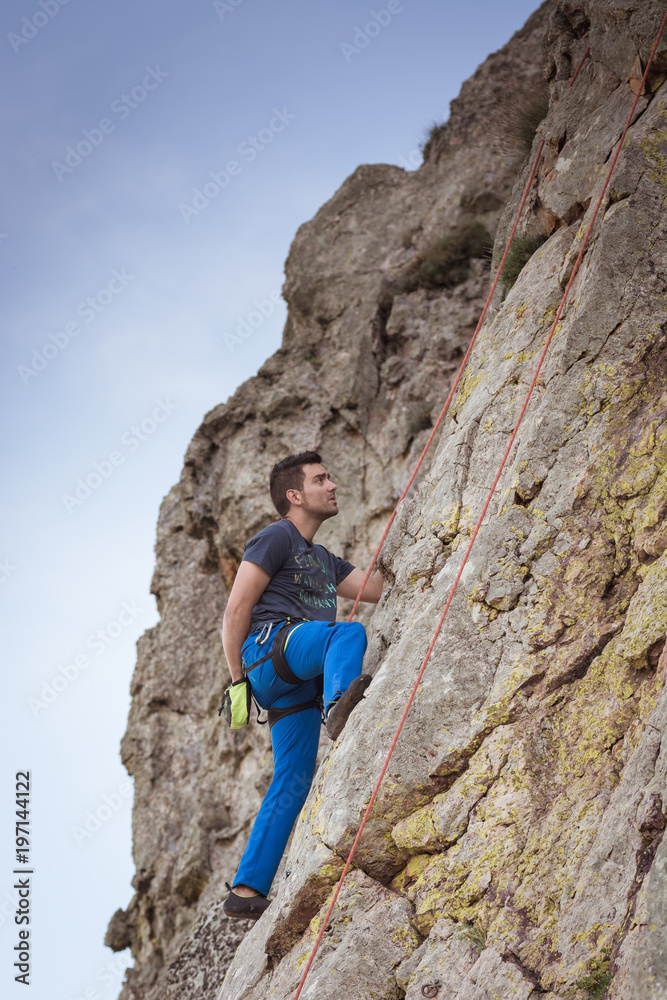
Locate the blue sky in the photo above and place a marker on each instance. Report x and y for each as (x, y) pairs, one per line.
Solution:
(120, 304)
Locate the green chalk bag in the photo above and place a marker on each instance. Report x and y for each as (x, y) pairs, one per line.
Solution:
(236, 705)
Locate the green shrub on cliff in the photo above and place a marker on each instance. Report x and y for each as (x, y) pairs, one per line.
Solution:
(599, 980)
(522, 249)
(446, 262)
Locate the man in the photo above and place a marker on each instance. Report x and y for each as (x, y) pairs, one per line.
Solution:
(280, 629)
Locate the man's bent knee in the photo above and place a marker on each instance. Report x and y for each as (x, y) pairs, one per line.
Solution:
(357, 631)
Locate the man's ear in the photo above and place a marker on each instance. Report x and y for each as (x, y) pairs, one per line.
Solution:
(294, 496)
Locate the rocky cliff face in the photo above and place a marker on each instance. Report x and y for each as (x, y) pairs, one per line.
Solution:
(516, 847)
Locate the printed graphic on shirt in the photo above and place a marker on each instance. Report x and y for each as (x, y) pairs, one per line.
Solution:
(314, 583)
(309, 582)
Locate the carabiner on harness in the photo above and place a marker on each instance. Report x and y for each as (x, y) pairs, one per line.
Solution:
(264, 634)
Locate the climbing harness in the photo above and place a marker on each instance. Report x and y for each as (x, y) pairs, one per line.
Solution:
(283, 670)
(280, 664)
(277, 656)
(275, 714)
(491, 491)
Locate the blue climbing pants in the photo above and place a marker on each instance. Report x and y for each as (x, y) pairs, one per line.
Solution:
(312, 649)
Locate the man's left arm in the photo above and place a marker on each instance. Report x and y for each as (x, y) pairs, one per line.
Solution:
(349, 587)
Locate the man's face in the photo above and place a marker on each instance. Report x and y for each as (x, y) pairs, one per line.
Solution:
(318, 495)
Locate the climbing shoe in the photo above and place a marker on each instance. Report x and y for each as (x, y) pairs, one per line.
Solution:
(245, 907)
(339, 712)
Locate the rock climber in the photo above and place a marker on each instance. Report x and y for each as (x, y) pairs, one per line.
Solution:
(280, 634)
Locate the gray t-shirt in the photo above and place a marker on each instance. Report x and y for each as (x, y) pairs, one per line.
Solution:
(304, 576)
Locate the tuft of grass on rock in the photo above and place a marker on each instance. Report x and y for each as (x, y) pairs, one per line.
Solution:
(446, 262)
(527, 120)
(522, 249)
(435, 133)
(515, 119)
(473, 934)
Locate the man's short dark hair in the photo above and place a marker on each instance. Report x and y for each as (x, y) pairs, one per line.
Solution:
(287, 475)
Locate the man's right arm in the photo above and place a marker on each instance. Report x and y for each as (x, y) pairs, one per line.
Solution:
(250, 583)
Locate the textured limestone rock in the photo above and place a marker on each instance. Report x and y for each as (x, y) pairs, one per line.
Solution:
(355, 960)
(516, 847)
(453, 962)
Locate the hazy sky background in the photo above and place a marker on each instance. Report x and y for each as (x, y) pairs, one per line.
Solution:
(122, 291)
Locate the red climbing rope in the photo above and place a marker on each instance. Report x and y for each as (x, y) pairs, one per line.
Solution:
(454, 387)
(482, 515)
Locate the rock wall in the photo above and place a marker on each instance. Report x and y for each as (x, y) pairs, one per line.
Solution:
(516, 847)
